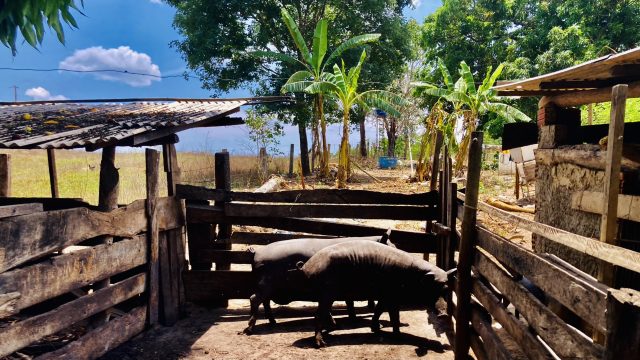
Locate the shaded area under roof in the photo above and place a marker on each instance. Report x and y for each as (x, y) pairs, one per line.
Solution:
(93, 124)
(604, 72)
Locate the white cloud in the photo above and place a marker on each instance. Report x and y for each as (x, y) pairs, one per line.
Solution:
(121, 59)
(415, 3)
(155, 1)
(40, 93)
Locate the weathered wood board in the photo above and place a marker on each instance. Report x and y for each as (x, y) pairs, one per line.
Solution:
(592, 202)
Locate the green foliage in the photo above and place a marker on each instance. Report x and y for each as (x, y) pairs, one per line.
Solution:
(602, 112)
(264, 131)
(531, 37)
(29, 16)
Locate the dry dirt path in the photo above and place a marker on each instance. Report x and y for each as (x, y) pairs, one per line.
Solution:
(213, 334)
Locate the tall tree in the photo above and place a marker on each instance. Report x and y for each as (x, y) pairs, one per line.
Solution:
(217, 36)
(29, 16)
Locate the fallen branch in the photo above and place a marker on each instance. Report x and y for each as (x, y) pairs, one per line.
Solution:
(366, 172)
(504, 206)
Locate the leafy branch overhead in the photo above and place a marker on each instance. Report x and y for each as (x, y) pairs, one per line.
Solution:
(29, 17)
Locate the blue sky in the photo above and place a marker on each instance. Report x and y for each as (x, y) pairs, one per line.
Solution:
(131, 35)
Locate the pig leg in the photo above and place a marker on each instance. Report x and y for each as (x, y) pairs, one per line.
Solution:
(267, 312)
(351, 310)
(394, 316)
(371, 305)
(375, 319)
(255, 301)
(323, 313)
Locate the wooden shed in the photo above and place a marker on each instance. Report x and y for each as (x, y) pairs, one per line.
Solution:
(587, 175)
(95, 276)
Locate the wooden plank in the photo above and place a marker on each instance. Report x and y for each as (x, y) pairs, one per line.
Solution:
(478, 347)
(168, 303)
(44, 232)
(170, 158)
(322, 196)
(615, 255)
(565, 341)
(5, 175)
(152, 159)
(594, 158)
(609, 223)
(410, 241)
(623, 317)
(223, 182)
(516, 329)
(20, 209)
(390, 212)
(48, 204)
(593, 202)
(583, 298)
(22, 333)
(212, 286)
(229, 256)
(467, 248)
(577, 98)
(53, 173)
(101, 340)
(451, 240)
(64, 273)
(436, 161)
(257, 238)
(481, 323)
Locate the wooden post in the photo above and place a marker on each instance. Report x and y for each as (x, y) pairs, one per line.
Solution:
(107, 200)
(517, 191)
(436, 161)
(623, 317)
(223, 240)
(452, 209)
(172, 256)
(291, 161)
(467, 248)
(263, 164)
(53, 173)
(609, 224)
(590, 114)
(152, 160)
(5, 175)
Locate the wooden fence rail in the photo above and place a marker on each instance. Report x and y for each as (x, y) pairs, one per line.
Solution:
(510, 281)
(44, 291)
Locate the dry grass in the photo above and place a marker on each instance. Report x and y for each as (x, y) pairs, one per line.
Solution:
(79, 171)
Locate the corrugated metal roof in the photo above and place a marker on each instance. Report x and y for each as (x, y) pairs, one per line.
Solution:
(98, 123)
(622, 68)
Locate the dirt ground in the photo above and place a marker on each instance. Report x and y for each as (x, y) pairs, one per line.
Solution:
(214, 333)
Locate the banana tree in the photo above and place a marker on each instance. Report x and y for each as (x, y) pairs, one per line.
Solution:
(471, 102)
(314, 65)
(342, 87)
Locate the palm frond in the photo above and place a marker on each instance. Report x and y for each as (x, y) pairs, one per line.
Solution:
(323, 87)
(350, 44)
(507, 111)
(276, 56)
(383, 100)
(448, 80)
(354, 72)
(295, 87)
(296, 35)
(467, 75)
(319, 45)
(492, 80)
(301, 75)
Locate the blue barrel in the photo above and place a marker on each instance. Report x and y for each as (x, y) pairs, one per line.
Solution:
(387, 162)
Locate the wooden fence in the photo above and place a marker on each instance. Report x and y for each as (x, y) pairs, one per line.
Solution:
(307, 213)
(603, 322)
(46, 292)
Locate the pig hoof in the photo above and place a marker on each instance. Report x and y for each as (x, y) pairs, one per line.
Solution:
(320, 342)
(375, 328)
(272, 322)
(247, 331)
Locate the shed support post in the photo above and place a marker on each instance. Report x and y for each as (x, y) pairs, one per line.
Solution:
(107, 200)
(53, 173)
(623, 317)
(152, 160)
(172, 258)
(467, 249)
(609, 224)
(291, 152)
(223, 240)
(5, 175)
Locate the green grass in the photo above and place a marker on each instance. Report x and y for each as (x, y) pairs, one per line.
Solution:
(79, 171)
(602, 112)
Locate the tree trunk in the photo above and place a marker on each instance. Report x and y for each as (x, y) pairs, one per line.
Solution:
(392, 136)
(324, 163)
(363, 139)
(407, 146)
(304, 149)
(343, 157)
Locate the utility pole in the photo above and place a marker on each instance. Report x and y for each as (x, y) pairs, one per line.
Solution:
(15, 93)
